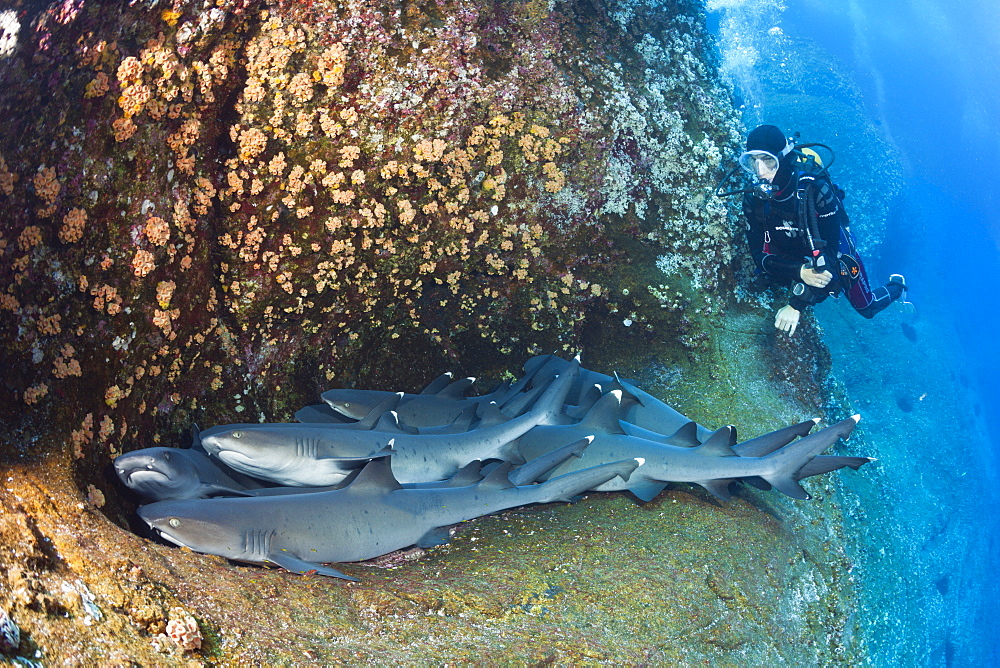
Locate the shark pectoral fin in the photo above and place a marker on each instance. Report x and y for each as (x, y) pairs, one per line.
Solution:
(437, 536)
(302, 567)
(719, 488)
(209, 489)
(646, 490)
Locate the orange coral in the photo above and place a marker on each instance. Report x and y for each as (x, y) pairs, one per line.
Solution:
(7, 178)
(73, 224)
(30, 237)
(157, 231)
(164, 292)
(34, 394)
(50, 325)
(142, 263)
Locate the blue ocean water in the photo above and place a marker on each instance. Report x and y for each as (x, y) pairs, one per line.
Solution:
(922, 77)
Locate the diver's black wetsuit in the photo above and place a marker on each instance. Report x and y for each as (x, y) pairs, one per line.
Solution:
(780, 246)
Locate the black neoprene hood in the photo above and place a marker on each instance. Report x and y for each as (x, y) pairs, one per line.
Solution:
(768, 138)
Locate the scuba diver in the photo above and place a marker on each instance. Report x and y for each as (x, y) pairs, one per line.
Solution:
(798, 230)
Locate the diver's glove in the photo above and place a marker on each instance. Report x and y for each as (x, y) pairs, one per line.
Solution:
(787, 319)
(814, 278)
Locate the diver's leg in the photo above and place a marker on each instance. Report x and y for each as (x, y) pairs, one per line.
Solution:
(866, 301)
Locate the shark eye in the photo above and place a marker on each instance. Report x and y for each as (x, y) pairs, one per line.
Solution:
(237, 434)
(347, 404)
(174, 522)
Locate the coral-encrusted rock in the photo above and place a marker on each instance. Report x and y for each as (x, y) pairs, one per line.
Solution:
(10, 635)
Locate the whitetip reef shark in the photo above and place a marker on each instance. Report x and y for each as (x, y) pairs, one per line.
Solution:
(372, 516)
(712, 464)
(303, 455)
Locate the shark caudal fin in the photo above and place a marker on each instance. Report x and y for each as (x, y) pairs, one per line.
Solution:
(570, 485)
(790, 459)
(537, 468)
(826, 463)
(548, 408)
(768, 443)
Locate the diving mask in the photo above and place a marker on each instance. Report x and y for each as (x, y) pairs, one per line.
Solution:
(759, 164)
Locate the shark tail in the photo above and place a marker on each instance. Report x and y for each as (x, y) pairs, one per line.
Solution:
(768, 443)
(536, 469)
(793, 457)
(549, 406)
(826, 463)
(570, 485)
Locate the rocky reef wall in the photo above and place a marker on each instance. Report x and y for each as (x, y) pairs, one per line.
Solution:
(213, 212)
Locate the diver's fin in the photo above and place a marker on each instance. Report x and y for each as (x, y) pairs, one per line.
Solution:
(302, 567)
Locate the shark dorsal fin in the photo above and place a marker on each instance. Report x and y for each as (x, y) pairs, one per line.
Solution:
(467, 475)
(196, 438)
(490, 415)
(719, 444)
(456, 389)
(686, 436)
(376, 476)
(381, 408)
(498, 478)
(438, 383)
(629, 390)
(465, 419)
(389, 422)
(603, 418)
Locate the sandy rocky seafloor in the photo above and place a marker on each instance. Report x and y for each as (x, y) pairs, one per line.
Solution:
(215, 213)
